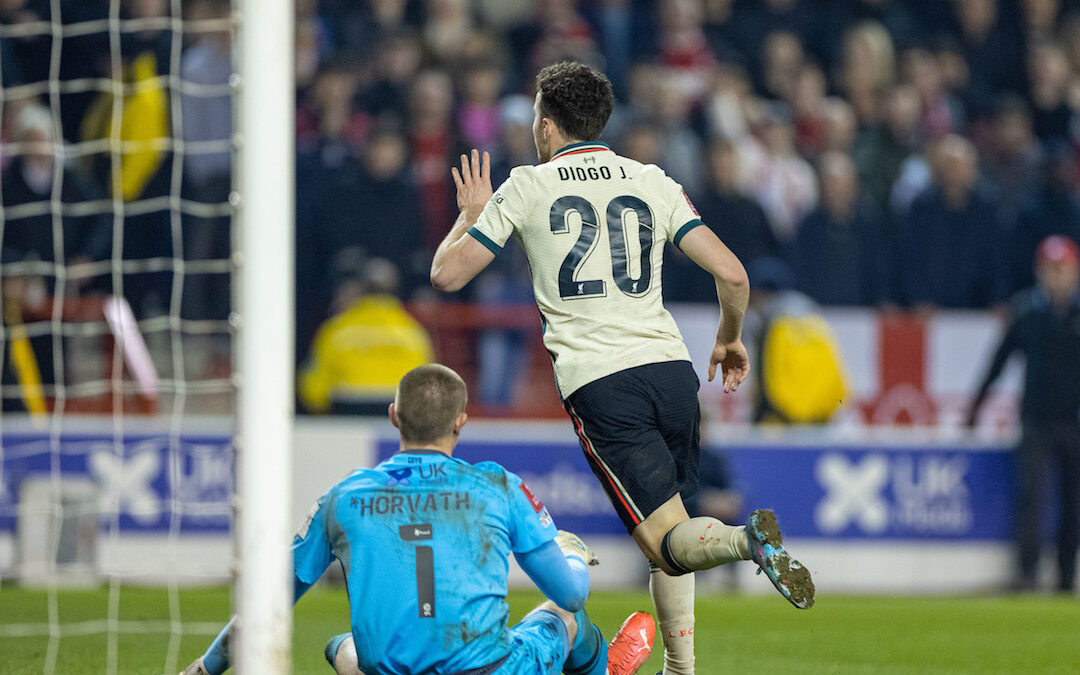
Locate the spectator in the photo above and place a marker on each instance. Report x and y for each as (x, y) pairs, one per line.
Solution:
(377, 209)
(1040, 19)
(1048, 71)
(479, 111)
(557, 31)
(941, 111)
(448, 26)
(1012, 163)
(725, 108)
(782, 61)
(785, 186)
(517, 147)
(754, 20)
(868, 68)
(680, 145)
(327, 118)
(396, 66)
(207, 119)
(836, 254)
(993, 44)
(1045, 328)
(314, 42)
(435, 146)
(1053, 209)
(838, 126)
(359, 354)
(808, 107)
(30, 180)
(950, 246)
(622, 25)
(684, 52)
(738, 220)
(25, 58)
(30, 241)
(880, 150)
(140, 120)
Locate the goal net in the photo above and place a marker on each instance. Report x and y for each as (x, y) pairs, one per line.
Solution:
(121, 185)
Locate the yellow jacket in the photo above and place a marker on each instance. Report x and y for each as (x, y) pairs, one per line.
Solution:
(362, 353)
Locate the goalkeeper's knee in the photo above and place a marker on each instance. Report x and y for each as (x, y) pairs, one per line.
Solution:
(342, 659)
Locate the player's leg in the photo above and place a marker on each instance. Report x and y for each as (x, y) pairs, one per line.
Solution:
(1031, 473)
(617, 419)
(340, 653)
(551, 640)
(673, 595)
(1069, 495)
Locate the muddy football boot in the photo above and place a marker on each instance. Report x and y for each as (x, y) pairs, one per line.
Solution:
(767, 550)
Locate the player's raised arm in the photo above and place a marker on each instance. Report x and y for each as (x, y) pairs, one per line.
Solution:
(733, 292)
(459, 258)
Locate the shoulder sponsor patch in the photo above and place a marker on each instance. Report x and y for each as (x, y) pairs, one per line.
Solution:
(692, 207)
(302, 532)
(545, 518)
(537, 505)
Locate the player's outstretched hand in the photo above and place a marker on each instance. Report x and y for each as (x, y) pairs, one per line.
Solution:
(734, 364)
(473, 183)
(571, 544)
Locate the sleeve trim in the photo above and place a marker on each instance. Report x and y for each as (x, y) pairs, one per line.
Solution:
(485, 240)
(683, 230)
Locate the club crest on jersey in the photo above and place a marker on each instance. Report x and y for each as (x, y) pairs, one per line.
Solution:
(692, 207)
(399, 476)
(537, 505)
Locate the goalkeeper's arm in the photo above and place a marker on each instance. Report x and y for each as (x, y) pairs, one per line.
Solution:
(559, 568)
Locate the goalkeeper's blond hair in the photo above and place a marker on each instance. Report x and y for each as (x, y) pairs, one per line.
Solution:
(427, 402)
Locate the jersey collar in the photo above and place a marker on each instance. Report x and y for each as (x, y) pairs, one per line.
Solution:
(578, 148)
(421, 451)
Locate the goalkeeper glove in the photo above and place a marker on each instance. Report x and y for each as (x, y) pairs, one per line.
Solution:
(571, 544)
(196, 668)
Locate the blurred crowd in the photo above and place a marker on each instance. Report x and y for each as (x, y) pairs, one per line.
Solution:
(891, 153)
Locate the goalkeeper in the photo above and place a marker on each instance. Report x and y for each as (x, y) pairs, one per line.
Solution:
(424, 540)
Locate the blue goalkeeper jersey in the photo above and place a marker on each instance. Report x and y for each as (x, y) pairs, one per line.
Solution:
(425, 541)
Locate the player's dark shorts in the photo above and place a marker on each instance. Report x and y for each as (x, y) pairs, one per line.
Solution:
(640, 430)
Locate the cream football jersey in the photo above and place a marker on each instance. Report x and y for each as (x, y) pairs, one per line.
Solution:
(593, 225)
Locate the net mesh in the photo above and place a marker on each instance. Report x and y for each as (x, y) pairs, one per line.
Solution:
(115, 459)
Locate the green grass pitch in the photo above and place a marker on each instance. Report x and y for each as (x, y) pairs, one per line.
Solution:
(1018, 634)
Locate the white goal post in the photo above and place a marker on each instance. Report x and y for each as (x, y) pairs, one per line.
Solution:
(265, 132)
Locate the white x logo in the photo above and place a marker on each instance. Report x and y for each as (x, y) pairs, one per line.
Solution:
(853, 493)
(127, 483)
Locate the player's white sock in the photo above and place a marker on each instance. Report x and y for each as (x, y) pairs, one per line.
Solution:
(674, 600)
(702, 543)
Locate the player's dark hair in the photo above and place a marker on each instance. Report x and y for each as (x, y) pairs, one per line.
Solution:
(429, 399)
(576, 97)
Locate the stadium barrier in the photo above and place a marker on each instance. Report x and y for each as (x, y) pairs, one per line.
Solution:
(903, 511)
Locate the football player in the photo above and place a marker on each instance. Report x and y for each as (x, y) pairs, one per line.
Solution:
(593, 225)
(424, 540)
